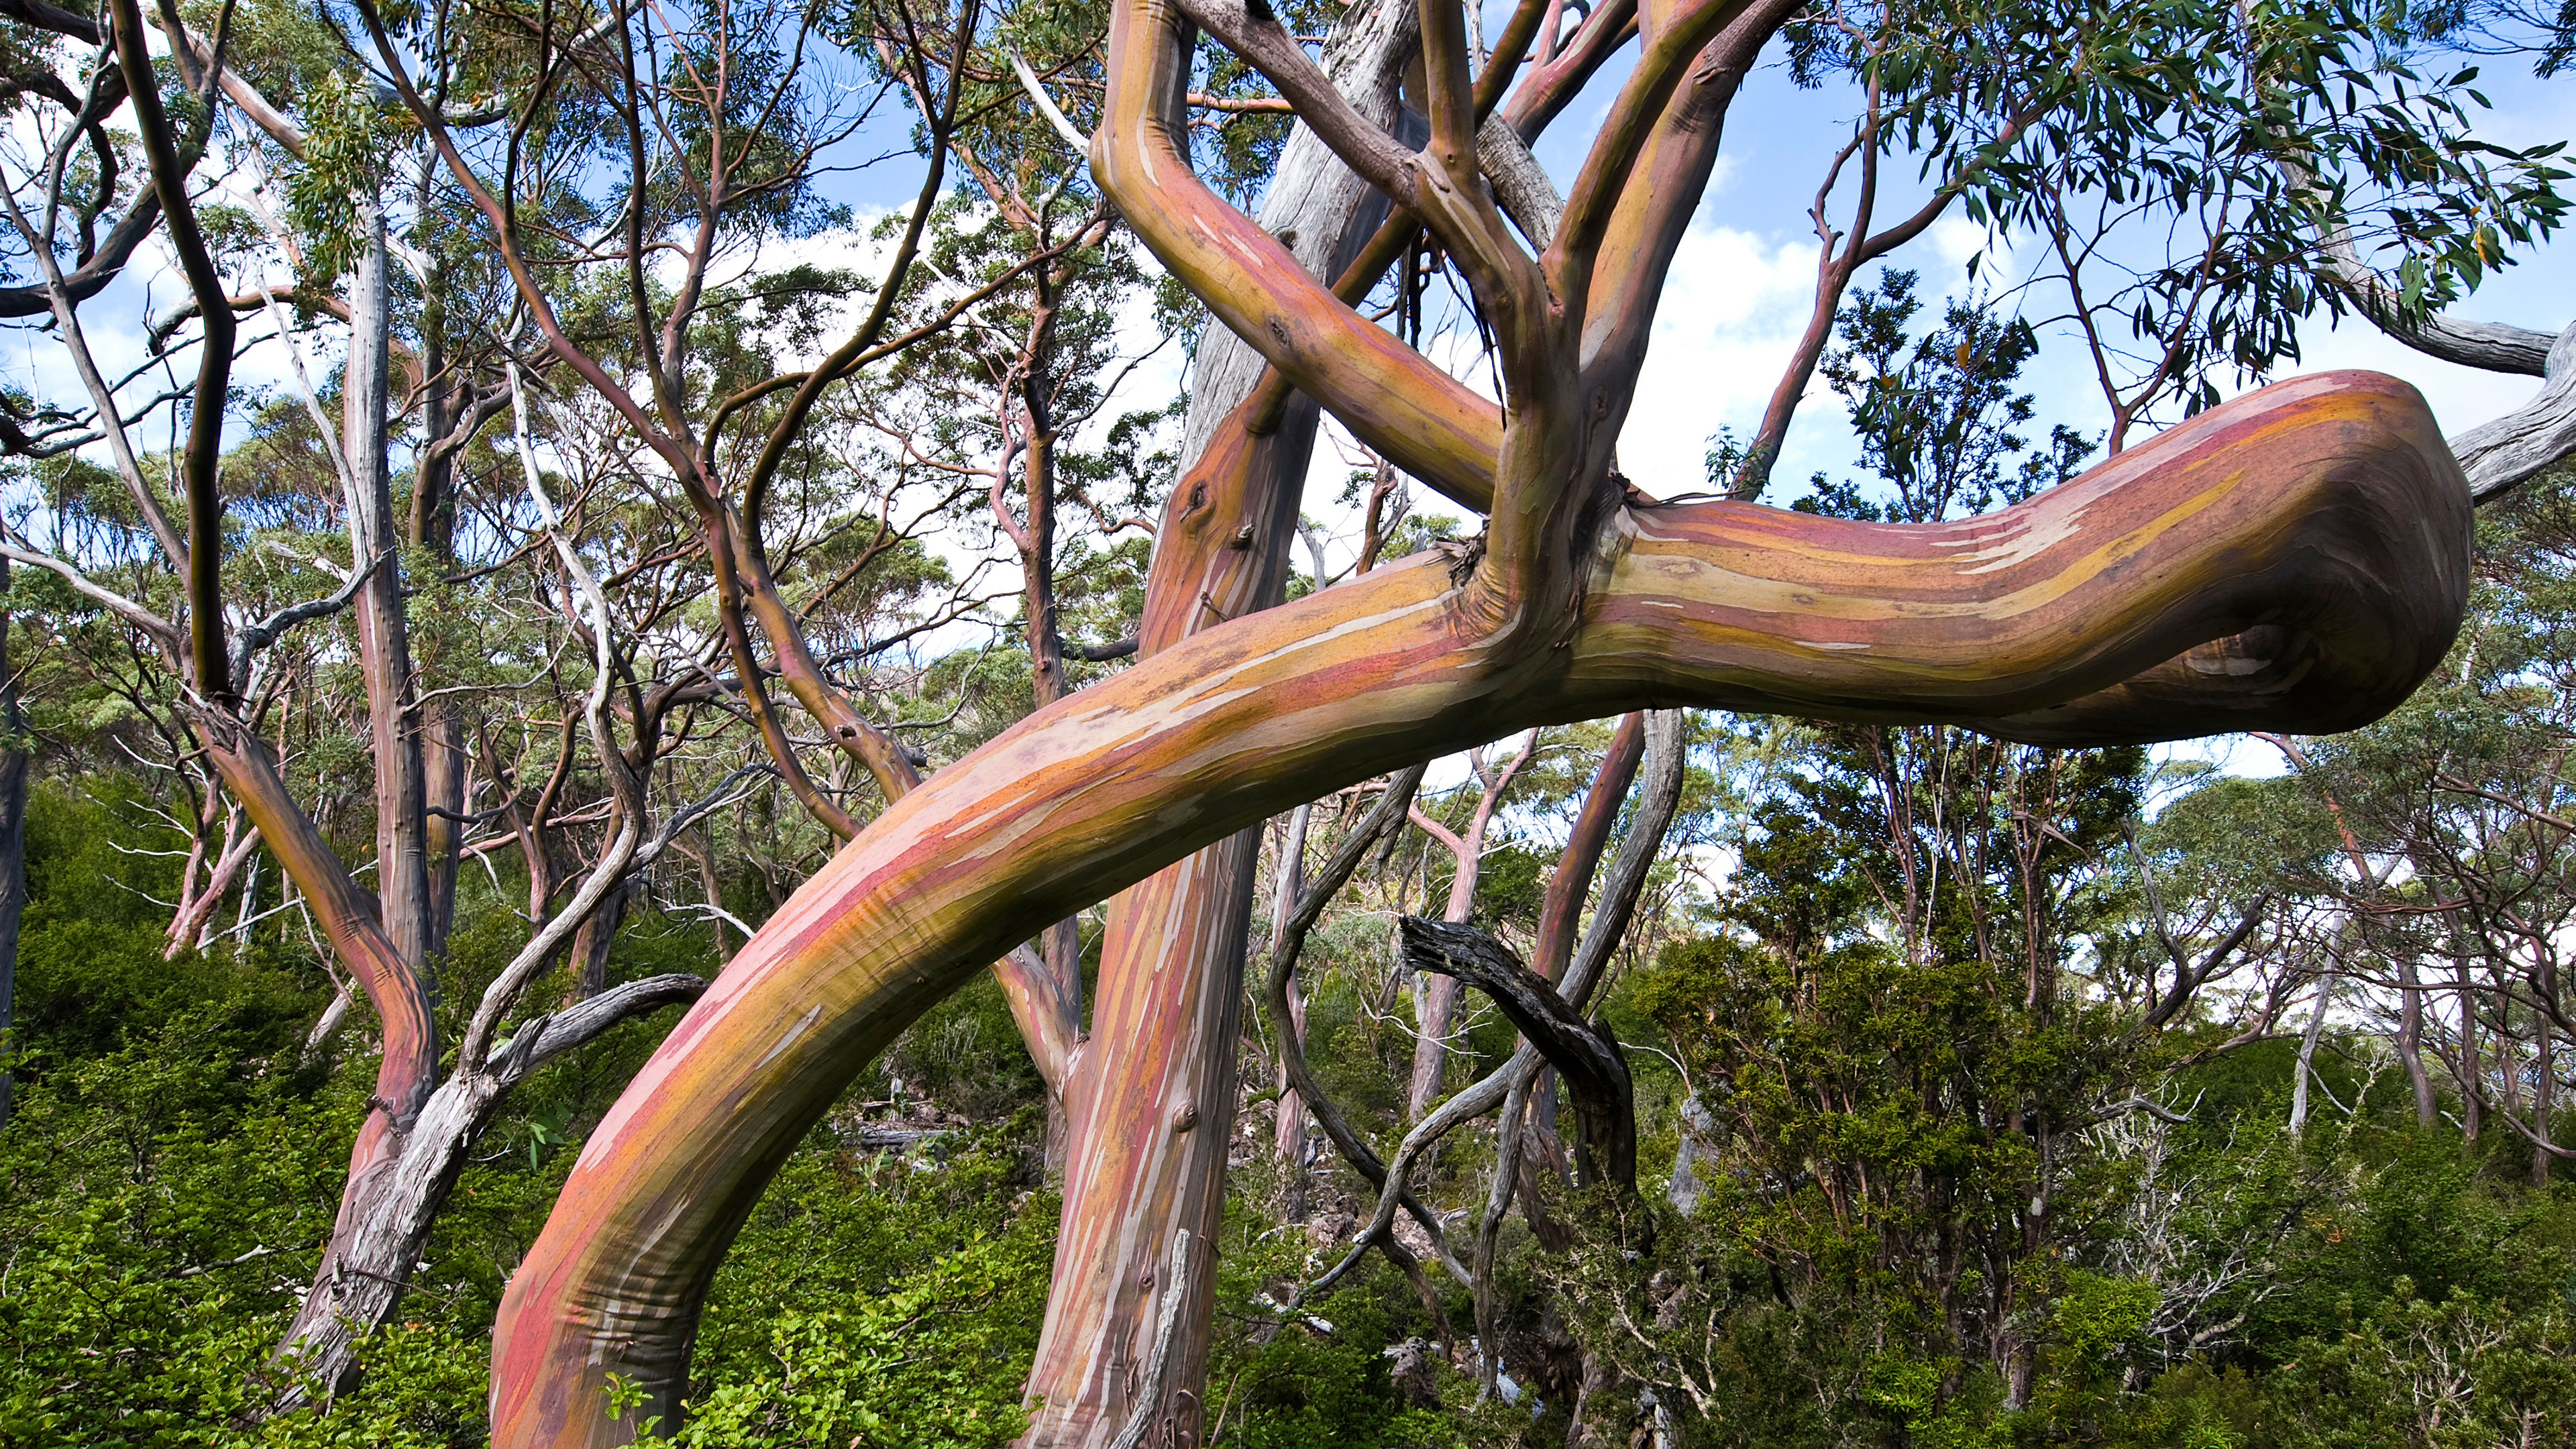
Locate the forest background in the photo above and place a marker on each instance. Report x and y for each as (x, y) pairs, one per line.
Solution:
(1982, 1093)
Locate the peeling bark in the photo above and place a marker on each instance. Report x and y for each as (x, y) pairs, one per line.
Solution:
(2325, 507)
(1154, 1096)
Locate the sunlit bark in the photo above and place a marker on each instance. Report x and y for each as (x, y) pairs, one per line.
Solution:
(2325, 509)
(1153, 1100)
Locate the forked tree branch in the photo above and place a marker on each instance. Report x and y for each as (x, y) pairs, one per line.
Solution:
(1387, 815)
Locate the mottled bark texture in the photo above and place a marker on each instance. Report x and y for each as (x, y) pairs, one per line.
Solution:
(2324, 509)
(1152, 1098)
(2297, 559)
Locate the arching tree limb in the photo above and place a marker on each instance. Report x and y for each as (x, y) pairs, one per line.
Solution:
(2501, 455)
(1386, 816)
(2328, 506)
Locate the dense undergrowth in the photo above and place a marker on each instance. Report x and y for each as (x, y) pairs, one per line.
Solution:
(176, 1154)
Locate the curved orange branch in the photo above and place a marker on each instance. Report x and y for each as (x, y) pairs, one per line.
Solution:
(2327, 506)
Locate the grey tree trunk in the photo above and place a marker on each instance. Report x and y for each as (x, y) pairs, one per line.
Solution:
(385, 1221)
(2308, 1056)
(446, 763)
(2544, 1080)
(590, 944)
(384, 639)
(2410, 1043)
(1289, 1133)
(2502, 455)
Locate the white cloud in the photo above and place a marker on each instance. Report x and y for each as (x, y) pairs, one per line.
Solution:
(1733, 308)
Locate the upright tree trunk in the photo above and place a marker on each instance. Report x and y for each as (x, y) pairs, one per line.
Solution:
(2410, 1042)
(2544, 1081)
(357, 1281)
(590, 943)
(1060, 945)
(384, 642)
(2308, 1056)
(13, 850)
(1435, 1001)
(1288, 1135)
(445, 742)
(1152, 1100)
(2473, 1093)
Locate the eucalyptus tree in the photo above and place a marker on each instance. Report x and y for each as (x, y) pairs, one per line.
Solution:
(1000, 398)
(1580, 600)
(214, 637)
(1436, 1001)
(2410, 297)
(2459, 809)
(2093, 139)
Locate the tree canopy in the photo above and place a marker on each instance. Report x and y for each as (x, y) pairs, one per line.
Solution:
(755, 724)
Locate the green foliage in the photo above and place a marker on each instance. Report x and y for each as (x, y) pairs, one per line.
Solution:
(344, 147)
(884, 1302)
(1324, 1375)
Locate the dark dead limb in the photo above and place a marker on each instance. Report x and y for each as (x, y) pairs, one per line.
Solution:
(2189, 974)
(171, 160)
(1667, 755)
(1586, 1056)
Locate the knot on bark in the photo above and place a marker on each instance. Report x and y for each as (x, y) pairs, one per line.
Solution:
(1463, 554)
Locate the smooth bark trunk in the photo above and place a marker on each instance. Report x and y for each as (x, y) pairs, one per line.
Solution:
(2544, 1083)
(2473, 1091)
(2326, 508)
(319, 1340)
(445, 741)
(189, 924)
(2410, 1043)
(1435, 999)
(1152, 1101)
(1153, 1096)
(1060, 944)
(590, 944)
(2308, 1056)
(384, 640)
(1288, 1132)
